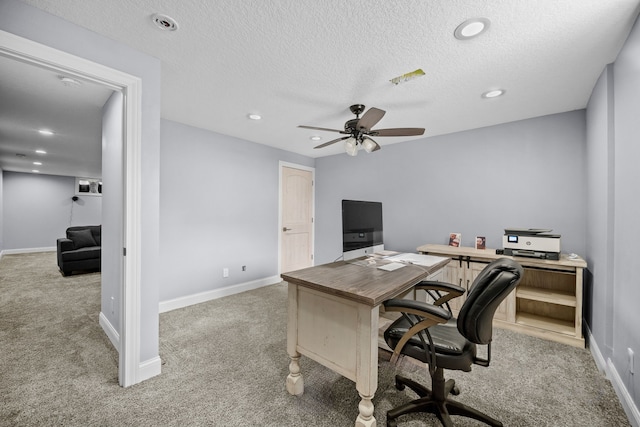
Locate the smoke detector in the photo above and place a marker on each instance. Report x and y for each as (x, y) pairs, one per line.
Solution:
(69, 82)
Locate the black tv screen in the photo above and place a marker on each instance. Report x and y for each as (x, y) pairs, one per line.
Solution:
(361, 224)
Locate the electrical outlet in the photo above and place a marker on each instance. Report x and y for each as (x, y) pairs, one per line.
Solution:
(630, 353)
(225, 272)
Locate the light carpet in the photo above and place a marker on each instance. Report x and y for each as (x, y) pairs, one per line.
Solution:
(225, 363)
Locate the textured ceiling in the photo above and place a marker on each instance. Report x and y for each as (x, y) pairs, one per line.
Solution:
(304, 62)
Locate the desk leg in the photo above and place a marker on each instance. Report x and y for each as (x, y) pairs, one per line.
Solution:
(365, 417)
(367, 370)
(295, 383)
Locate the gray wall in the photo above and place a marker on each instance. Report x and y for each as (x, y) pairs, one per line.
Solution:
(600, 163)
(31, 23)
(1, 210)
(112, 230)
(38, 209)
(522, 174)
(613, 157)
(627, 210)
(218, 208)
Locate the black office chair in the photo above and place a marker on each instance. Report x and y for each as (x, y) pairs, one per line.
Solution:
(425, 332)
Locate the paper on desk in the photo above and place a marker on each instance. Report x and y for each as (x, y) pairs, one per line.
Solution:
(391, 266)
(418, 259)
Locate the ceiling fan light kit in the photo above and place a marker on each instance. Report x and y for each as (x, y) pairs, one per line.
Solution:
(359, 130)
(351, 146)
(369, 145)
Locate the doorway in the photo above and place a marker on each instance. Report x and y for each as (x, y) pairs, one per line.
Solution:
(30, 52)
(296, 228)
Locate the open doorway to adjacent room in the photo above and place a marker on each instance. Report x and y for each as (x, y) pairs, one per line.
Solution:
(27, 58)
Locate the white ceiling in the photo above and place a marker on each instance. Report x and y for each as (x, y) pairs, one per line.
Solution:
(304, 62)
(32, 98)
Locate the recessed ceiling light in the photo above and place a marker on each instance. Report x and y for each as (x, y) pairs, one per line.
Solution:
(255, 116)
(35, 171)
(164, 22)
(493, 93)
(315, 138)
(471, 28)
(46, 132)
(41, 152)
(37, 163)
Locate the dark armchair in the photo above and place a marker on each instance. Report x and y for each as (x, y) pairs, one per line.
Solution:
(80, 250)
(427, 332)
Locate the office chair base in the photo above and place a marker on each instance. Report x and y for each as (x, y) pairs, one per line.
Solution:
(422, 391)
(436, 402)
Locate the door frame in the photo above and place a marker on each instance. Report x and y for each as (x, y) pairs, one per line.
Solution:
(34, 53)
(282, 164)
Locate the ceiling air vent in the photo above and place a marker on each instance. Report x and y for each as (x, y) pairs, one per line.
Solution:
(164, 22)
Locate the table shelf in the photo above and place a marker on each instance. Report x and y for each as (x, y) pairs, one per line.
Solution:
(547, 323)
(546, 295)
(546, 304)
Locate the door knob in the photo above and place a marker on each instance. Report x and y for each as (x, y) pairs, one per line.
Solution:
(286, 229)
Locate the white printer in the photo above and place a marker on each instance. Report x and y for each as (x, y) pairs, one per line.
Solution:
(531, 242)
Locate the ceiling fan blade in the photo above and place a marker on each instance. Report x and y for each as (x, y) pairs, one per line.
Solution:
(370, 118)
(398, 132)
(376, 147)
(332, 142)
(317, 128)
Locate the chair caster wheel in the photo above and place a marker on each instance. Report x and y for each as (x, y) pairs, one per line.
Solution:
(455, 390)
(399, 385)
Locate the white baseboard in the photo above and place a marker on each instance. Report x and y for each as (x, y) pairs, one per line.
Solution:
(111, 332)
(149, 368)
(611, 373)
(216, 293)
(623, 394)
(601, 363)
(27, 250)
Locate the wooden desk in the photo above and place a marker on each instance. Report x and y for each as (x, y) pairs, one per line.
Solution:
(333, 319)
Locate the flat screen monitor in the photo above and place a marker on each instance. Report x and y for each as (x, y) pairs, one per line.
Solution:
(361, 228)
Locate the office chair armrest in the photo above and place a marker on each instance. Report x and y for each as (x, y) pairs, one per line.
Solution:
(421, 316)
(432, 287)
(419, 308)
(440, 286)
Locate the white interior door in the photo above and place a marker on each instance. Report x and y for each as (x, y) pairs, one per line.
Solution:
(296, 232)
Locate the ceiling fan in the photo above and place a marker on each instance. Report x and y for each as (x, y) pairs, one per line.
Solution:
(359, 130)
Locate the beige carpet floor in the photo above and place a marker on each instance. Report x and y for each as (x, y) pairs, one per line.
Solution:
(224, 364)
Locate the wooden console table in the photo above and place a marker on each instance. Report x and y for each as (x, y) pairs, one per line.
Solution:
(547, 303)
(333, 319)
